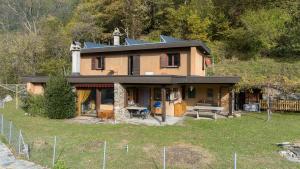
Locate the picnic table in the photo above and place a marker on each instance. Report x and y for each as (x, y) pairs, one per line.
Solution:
(138, 111)
(214, 109)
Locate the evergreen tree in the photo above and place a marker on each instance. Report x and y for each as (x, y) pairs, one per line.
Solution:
(59, 98)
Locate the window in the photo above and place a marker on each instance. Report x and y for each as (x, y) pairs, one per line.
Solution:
(157, 94)
(107, 96)
(100, 62)
(173, 59)
(192, 92)
(210, 94)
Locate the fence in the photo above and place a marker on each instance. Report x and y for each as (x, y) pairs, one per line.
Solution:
(281, 105)
(14, 137)
(99, 154)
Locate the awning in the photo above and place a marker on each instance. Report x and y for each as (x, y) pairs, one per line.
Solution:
(97, 85)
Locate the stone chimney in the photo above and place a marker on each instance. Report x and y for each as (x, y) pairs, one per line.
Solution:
(116, 35)
(75, 49)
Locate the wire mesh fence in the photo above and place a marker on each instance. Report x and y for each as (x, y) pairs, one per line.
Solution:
(99, 154)
(14, 137)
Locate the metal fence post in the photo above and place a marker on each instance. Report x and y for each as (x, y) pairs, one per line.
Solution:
(54, 152)
(234, 160)
(127, 148)
(164, 163)
(2, 125)
(19, 142)
(10, 128)
(104, 155)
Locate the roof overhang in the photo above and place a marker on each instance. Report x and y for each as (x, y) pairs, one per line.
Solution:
(148, 46)
(140, 79)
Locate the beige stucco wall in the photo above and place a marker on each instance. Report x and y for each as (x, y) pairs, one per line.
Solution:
(149, 62)
(34, 88)
(117, 63)
(196, 62)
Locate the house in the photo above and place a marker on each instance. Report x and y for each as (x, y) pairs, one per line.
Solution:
(171, 72)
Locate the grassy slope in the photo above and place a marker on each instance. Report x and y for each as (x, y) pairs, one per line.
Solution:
(257, 71)
(250, 136)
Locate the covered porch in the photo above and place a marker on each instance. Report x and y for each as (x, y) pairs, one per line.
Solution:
(175, 100)
(94, 99)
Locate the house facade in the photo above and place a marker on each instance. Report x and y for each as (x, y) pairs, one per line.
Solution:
(171, 72)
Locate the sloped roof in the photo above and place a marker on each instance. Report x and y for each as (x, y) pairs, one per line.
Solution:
(136, 45)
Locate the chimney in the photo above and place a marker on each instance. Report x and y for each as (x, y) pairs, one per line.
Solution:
(116, 35)
(75, 49)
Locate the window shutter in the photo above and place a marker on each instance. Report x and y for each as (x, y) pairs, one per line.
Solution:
(103, 62)
(163, 60)
(93, 63)
(179, 59)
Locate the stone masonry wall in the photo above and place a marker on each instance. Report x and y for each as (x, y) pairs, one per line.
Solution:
(119, 102)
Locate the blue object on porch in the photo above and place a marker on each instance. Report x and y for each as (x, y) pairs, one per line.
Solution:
(157, 104)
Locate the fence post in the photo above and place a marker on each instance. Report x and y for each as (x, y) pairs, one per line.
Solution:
(104, 155)
(164, 163)
(234, 160)
(19, 142)
(10, 128)
(127, 148)
(2, 125)
(54, 152)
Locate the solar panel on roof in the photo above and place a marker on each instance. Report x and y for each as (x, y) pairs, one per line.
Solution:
(93, 45)
(134, 42)
(167, 39)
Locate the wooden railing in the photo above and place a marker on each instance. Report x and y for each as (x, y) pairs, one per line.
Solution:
(281, 105)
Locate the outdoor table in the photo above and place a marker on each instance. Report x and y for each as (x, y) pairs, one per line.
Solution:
(210, 108)
(138, 110)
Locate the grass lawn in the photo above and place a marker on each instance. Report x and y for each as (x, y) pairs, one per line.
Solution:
(81, 146)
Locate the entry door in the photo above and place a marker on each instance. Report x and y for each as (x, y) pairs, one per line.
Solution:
(134, 65)
(224, 96)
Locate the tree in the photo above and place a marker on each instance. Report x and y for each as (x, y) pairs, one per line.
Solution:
(59, 98)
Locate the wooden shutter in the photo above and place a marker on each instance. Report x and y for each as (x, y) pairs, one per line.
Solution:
(163, 60)
(103, 62)
(93, 63)
(136, 65)
(179, 59)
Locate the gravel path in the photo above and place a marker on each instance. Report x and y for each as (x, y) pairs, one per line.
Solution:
(8, 161)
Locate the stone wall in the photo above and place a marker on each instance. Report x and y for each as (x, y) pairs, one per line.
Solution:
(119, 103)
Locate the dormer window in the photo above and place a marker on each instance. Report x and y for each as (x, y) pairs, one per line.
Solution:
(173, 59)
(98, 63)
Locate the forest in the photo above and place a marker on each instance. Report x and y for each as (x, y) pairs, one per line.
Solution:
(258, 40)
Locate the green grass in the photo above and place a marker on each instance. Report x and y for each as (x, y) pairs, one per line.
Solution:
(80, 145)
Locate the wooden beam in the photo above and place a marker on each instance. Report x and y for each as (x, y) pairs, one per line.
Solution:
(98, 100)
(231, 101)
(163, 98)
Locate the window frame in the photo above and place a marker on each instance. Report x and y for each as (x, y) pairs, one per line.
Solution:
(101, 66)
(173, 55)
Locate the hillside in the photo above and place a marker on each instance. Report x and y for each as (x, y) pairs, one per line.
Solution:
(257, 72)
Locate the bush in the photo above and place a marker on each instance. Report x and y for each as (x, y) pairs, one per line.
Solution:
(60, 165)
(34, 105)
(59, 98)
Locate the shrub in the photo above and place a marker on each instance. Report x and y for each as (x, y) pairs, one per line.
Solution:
(34, 105)
(59, 98)
(60, 165)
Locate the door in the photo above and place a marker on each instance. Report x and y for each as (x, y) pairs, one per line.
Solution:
(224, 97)
(134, 65)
